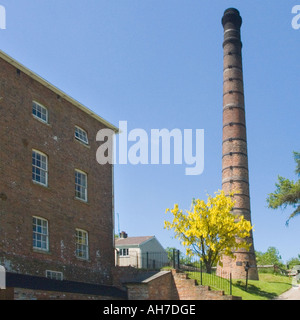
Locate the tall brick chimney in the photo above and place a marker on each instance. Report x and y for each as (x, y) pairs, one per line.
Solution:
(235, 159)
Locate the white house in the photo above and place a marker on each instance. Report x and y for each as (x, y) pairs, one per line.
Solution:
(141, 252)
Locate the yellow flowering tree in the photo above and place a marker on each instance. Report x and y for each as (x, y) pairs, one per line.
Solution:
(210, 229)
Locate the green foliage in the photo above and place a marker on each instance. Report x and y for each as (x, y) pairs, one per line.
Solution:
(287, 192)
(268, 270)
(270, 257)
(297, 159)
(183, 259)
(169, 251)
(293, 262)
(186, 260)
(212, 280)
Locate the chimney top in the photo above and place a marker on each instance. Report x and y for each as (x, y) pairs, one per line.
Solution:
(232, 10)
(123, 235)
(232, 15)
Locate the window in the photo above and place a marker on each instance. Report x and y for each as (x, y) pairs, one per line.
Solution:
(80, 185)
(39, 167)
(54, 275)
(81, 135)
(82, 247)
(124, 252)
(39, 112)
(40, 234)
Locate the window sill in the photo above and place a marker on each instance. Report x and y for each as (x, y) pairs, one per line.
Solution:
(41, 121)
(41, 251)
(82, 201)
(40, 184)
(84, 260)
(82, 143)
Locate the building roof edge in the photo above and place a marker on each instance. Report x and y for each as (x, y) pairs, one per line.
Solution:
(50, 86)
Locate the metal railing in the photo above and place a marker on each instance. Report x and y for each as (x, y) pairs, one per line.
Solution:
(220, 280)
(195, 269)
(145, 260)
(175, 259)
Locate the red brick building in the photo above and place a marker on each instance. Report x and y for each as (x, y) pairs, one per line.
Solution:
(56, 201)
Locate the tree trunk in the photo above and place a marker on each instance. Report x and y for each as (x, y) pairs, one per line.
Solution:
(208, 267)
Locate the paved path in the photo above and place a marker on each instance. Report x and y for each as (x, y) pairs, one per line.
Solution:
(292, 294)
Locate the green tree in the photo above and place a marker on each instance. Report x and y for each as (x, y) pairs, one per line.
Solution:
(270, 257)
(293, 262)
(287, 192)
(183, 259)
(170, 251)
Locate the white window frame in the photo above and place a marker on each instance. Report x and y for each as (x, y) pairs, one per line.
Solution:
(39, 170)
(37, 109)
(40, 236)
(54, 275)
(124, 252)
(80, 188)
(81, 135)
(82, 244)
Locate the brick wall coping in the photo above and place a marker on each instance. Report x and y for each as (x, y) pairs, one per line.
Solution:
(155, 276)
(147, 277)
(15, 280)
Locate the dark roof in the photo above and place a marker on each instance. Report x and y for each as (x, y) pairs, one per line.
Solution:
(132, 240)
(15, 280)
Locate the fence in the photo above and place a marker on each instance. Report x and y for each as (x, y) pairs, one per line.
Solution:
(176, 260)
(216, 279)
(272, 268)
(145, 260)
(220, 280)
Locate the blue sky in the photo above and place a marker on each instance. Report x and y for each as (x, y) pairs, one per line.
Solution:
(158, 64)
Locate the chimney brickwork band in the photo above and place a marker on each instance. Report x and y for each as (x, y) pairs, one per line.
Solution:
(235, 156)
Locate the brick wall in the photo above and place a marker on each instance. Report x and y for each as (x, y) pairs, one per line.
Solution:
(27, 294)
(138, 291)
(163, 288)
(167, 286)
(187, 289)
(159, 287)
(27, 287)
(163, 285)
(121, 275)
(7, 294)
(21, 198)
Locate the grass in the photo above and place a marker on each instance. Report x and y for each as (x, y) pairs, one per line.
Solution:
(268, 287)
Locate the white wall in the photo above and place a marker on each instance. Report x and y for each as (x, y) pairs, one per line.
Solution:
(157, 256)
